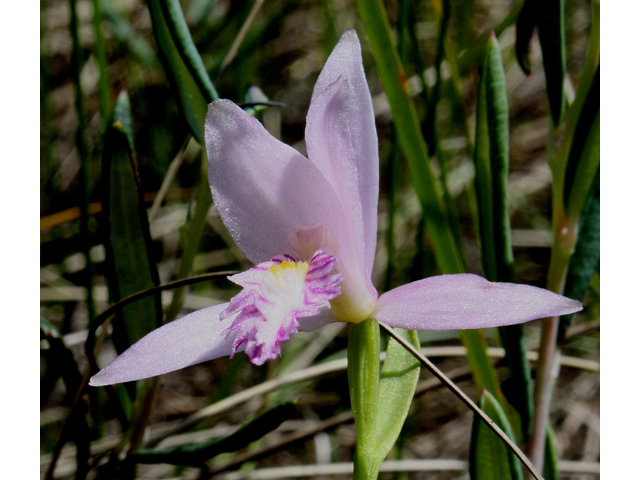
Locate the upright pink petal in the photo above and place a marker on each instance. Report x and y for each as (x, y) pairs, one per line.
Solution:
(267, 194)
(463, 301)
(264, 189)
(342, 141)
(192, 339)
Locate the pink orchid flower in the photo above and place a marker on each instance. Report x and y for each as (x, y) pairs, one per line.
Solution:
(310, 225)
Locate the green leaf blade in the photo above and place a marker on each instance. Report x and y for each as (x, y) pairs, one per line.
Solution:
(126, 34)
(188, 51)
(490, 134)
(489, 457)
(525, 27)
(188, 90)
(550, 15)
(584, 156)
(491, 160)
(126, 232)
(398, 380)
(498, 129)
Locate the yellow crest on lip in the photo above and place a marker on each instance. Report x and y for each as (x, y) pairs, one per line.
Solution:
(300, 267)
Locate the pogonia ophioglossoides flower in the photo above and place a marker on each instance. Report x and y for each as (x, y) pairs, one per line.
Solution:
(309, 225)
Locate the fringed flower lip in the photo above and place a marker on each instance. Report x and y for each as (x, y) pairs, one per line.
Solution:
(309, 225)
(275, 294)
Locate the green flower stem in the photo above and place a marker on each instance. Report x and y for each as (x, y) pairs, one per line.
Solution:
(363, 372)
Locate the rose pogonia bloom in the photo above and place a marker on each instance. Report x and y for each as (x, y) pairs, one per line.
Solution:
(309, 225)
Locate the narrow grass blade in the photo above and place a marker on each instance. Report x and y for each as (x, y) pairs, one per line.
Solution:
(481, 366)
(585, 258)
(395, 156)
(200, 453)
(584, 156)
(184, 43)
(268, 28)
(199, 10)
(141, 411)
(558, 163)
(126, 232)
(448, 200)
(445, 15)
(393, 174)
(489, 457)
(491, 160)
(237, 41)
(405, 119)
(550, 19)
(192, 83)
(183, 66)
